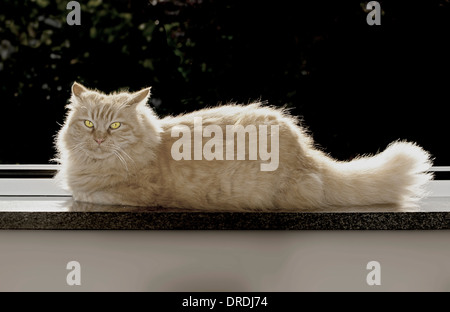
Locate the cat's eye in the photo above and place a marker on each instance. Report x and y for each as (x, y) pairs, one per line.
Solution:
(115, 125)
(88, 123)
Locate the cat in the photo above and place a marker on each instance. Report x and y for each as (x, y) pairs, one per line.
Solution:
(114, 150)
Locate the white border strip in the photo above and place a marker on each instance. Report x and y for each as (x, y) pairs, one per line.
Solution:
(29, 167)
(56, 167)
(440, 168)
(48, 187)
(440, 188)
(31, 187)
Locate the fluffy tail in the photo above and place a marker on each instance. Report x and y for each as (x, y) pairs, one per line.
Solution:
(395, 176)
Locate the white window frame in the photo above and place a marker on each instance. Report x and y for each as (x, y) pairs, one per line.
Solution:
(30, 186)
(48, 186)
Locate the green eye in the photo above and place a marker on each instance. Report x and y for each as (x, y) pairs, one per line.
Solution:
(88, 124)
(115, 125)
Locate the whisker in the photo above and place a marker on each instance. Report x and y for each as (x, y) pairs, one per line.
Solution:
(126, 154)
(121, 159)
(78, 147)
(121, 150)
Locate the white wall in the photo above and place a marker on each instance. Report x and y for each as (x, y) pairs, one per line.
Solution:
(225, 260)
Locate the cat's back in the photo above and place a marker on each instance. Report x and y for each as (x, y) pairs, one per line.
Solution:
(231, 114)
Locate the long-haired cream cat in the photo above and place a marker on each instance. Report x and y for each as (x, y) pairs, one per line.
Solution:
(114, 150)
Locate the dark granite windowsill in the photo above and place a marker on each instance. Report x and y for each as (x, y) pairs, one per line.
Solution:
(61, 213)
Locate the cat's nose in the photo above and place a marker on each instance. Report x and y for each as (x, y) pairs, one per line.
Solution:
(99, 141)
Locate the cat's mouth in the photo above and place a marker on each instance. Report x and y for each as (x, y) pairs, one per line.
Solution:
(100, 152)
(106, 151)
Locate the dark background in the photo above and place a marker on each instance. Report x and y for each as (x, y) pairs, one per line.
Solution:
(357, 87)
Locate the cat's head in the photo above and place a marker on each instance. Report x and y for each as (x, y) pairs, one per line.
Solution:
(99, 126)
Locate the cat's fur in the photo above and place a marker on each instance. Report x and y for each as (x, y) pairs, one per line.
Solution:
(134, 166)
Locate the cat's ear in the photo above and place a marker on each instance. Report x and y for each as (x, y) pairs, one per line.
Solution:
(140, 97)
(78, 89)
